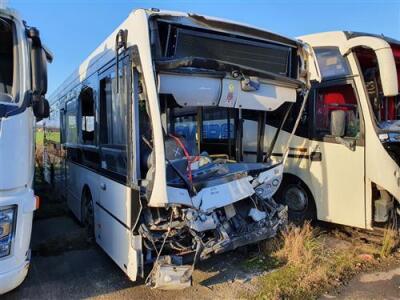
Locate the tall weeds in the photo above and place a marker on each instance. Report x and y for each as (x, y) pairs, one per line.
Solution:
(308, 267)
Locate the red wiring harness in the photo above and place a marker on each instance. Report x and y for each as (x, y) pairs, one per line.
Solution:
(189, 158)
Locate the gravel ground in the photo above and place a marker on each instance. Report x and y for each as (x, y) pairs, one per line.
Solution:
(65, 265)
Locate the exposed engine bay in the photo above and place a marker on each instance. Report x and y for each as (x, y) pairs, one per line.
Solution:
(216, 204)
(230, 205)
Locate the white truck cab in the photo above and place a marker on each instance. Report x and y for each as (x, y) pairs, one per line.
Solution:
(23, 83)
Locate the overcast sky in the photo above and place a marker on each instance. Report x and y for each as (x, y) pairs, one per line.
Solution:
(74, 28)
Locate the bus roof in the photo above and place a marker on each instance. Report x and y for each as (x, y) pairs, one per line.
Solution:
(339, 37)
(105, 51)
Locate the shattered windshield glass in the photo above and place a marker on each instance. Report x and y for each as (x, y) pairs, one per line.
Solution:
(6, 61)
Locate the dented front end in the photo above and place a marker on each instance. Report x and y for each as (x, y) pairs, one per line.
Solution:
(214, 200)
(229, 205)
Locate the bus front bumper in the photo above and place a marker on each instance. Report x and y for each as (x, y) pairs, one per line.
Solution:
(10, 279)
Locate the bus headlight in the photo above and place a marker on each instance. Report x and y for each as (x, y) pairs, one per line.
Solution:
(7, 221)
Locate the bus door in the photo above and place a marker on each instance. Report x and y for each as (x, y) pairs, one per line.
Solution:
(116, 207)
(337, 155)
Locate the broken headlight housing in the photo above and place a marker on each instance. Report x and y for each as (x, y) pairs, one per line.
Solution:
(7, 227)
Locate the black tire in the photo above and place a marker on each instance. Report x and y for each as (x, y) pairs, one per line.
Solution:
(299, 200)
(88, 213)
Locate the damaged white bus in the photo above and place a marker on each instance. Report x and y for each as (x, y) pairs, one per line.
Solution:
(23, 84)
(152, 128)
(344, 161)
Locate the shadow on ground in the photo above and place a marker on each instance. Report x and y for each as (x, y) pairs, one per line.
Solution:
(66, 264)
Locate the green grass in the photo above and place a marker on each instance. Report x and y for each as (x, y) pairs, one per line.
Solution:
(50, 136)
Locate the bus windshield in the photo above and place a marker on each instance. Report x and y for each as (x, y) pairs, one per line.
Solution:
(6, 61)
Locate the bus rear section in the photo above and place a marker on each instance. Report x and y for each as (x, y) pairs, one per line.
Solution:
(18, 112)
(155, 155)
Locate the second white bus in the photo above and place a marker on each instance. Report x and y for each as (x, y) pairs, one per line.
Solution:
(343, 166)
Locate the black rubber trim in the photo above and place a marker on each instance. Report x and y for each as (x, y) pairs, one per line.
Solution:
(75, 155)
(281, 154)
(292, 155)
(9, 110)
(113, 216)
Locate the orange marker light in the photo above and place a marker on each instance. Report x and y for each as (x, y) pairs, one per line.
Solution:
(37, 198)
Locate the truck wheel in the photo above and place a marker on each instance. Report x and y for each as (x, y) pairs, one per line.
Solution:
(300, 203)
(88, 213)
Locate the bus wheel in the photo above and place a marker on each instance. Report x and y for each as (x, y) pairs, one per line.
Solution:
(88, 213)
(300, 203)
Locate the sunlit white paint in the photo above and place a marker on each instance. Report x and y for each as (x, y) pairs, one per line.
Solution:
(17, 169)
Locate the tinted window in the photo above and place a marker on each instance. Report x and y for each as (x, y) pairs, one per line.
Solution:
(113, 121)
(337, 98)
(6, 60)
(71, 128)
(331, 63)
(217, 124)
(257, 55)
(88, 115)
(275, 118)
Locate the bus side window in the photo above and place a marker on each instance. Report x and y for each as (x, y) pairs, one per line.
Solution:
(333, 98)
(113, 122)
(71, 128)
(87, 111)
(275, 118)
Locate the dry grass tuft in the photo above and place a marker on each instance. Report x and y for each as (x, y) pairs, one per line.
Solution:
(389, 243)
(299, 246)
(308, 266)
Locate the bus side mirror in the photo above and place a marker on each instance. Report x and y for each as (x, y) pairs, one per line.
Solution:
(338, 123)
(41, 107)
(39, 58)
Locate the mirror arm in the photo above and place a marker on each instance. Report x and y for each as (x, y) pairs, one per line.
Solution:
(350, 144)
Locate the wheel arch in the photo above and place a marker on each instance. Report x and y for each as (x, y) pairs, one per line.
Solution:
(86, 191)
(290, 178)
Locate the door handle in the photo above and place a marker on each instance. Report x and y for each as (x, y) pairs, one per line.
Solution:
(316, 156)
(103, 186)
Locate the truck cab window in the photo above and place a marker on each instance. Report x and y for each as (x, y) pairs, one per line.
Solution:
(88, 118)
(337, 98)
(6, 61)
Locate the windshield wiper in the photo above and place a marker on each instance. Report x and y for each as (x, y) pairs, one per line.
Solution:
(221, 65)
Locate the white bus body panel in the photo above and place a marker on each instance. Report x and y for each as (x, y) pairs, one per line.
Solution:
(112, 226)
(336, 182)
(342, 186)
(112, 206)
